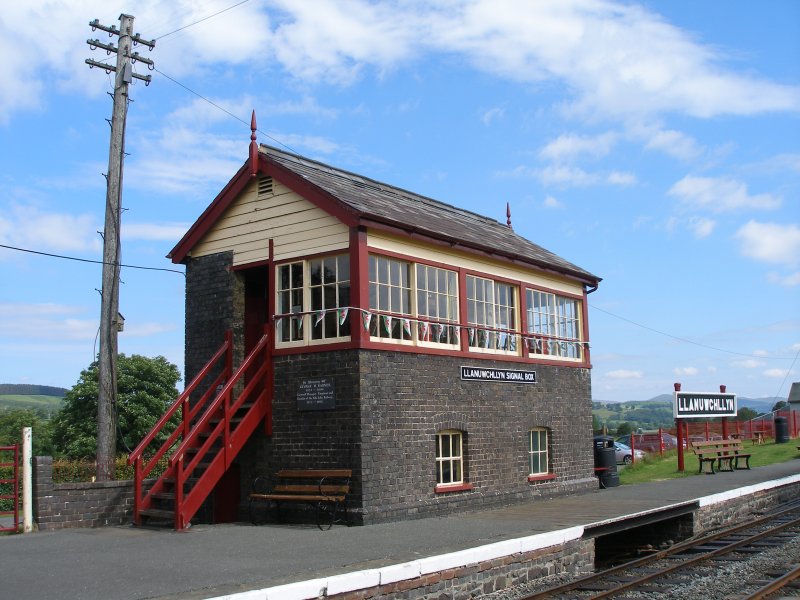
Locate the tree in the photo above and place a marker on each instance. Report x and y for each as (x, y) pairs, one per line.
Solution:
(780, 405)
(145, 389)
(746, 413)
(624, 428)
(12, 422)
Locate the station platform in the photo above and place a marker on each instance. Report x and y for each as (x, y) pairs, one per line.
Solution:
(244, 562)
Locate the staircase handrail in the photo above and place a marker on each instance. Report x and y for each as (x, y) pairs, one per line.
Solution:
(177, 405)
(188, 441)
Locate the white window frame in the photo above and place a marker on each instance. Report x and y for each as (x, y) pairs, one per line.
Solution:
(281, 308)
(307, 317)
(451, 440)
(488, 316)
(539, 455)
(390, 299)
(436, 306)
(336, 288)
(555, 325)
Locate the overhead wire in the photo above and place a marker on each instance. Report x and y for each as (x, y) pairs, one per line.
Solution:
(87, 260)
(688, 341)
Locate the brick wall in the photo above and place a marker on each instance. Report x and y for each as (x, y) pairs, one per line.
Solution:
(62, 505)
(389, 407)
(211, 288)
(407, 398)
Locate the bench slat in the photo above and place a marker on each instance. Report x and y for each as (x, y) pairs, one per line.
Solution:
(298, 498)
(323, 486)
(314, 473)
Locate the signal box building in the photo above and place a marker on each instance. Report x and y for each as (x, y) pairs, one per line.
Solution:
(433, 351)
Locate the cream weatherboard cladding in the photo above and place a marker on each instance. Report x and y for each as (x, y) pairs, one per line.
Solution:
(297, 227)
(380, 241)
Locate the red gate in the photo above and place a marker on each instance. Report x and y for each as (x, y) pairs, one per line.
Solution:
(9, 488)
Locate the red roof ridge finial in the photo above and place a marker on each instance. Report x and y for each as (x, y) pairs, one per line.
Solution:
(508, 215)
(253, 146)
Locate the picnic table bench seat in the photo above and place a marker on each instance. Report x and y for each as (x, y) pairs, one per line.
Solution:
(725, 453)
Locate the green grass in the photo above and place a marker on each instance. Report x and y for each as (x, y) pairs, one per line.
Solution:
(657, 468)
(48, 404)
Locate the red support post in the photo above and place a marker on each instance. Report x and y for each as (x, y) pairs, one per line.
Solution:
(679, 432)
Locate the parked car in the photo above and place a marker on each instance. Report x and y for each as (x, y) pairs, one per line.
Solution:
(649, 441)
(625, 455)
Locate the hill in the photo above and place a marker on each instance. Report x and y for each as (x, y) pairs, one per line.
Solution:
(44, 399)
(28, 389)
(657, 412)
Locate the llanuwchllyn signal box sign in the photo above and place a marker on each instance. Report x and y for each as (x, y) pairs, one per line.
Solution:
(703, 404)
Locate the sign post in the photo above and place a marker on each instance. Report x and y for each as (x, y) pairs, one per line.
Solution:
(688, 405)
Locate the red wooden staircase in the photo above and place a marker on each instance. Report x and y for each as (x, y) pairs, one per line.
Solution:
(210, 433)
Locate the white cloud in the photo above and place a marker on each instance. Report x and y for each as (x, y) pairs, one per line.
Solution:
(719, 194)
(551, 202)
(685, 371)
(670, 142)
(624, 374)
(791, 280)
(567, 147)
(776, 373)
(618, 60)
(493, 114)
(701, 227)
(154, 232)
(46, 321)
(33, 228)
(770, 242)
(749, 363)
(619, 178)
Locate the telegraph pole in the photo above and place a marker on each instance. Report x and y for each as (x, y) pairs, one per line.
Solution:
(110, 322)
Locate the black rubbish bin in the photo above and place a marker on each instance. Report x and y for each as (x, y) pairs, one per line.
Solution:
(781, 430)
(605, 461)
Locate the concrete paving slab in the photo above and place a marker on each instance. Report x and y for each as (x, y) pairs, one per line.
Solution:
(127, 563)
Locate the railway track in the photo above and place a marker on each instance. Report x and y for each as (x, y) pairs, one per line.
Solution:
(724, 554)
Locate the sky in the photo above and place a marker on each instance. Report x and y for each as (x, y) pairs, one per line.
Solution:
(654, 144)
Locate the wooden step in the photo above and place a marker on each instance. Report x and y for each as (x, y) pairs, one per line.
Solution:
(157, 513)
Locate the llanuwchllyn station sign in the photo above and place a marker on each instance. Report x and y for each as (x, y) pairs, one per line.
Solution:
(688, 405)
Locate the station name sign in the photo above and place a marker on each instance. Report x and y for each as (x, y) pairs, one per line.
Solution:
(691, 404)
(508, 375)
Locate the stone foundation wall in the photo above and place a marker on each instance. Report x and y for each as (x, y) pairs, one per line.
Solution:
(742, 507)
(474, 580)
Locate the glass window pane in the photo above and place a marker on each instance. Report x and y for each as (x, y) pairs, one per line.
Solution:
(343, 264)
(315, 267)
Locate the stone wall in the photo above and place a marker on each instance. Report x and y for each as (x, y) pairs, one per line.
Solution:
(62, 505)
(475, 580)
(741, 507)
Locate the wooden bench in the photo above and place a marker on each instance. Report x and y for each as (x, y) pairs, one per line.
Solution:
(327, 488)
(726, 453)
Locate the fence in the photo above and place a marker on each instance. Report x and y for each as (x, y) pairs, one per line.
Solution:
(759, 427)
(9, 488)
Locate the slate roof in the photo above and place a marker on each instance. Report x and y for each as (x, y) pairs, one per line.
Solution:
(397, 207)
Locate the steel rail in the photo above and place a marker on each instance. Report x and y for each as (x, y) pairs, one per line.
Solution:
(675, 549)
(774, 585)
(697, 559)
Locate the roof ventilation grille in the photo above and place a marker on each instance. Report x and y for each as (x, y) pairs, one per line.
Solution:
(265, 187)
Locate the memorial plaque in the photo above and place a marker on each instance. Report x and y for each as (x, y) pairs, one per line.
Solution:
(316, 394)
